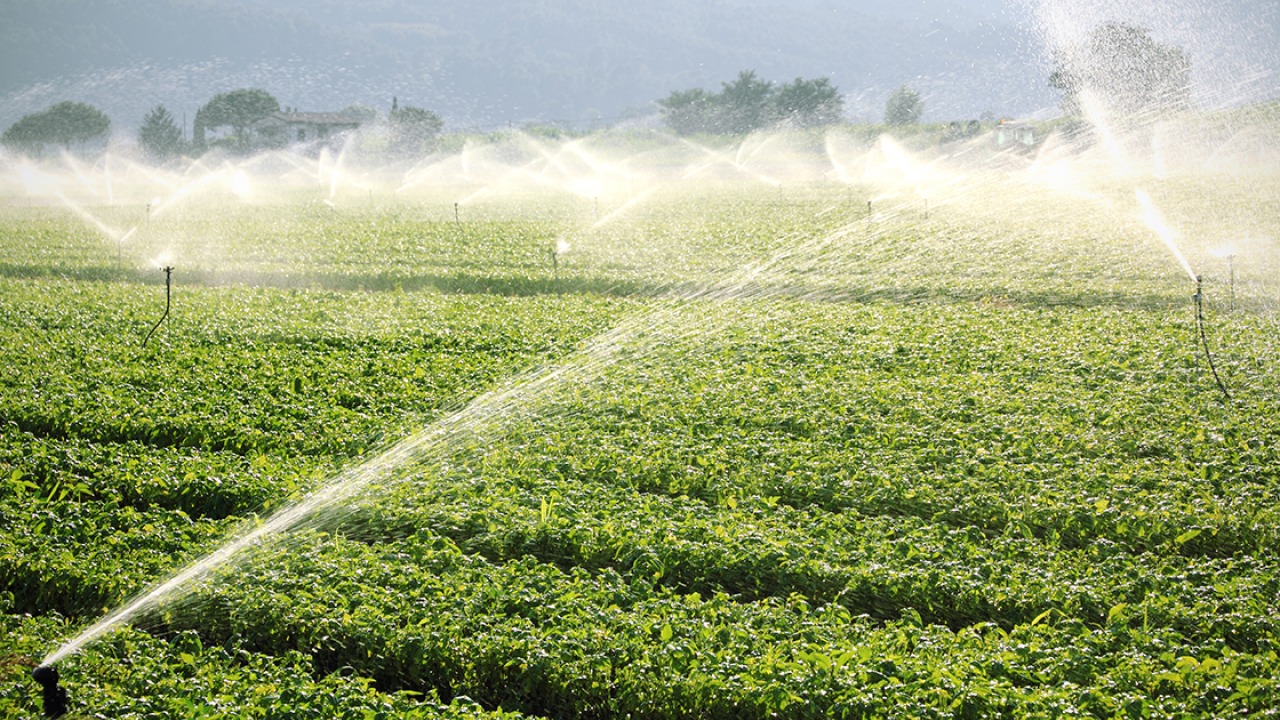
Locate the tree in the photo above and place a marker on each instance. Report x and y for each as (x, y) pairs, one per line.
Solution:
(413, 130)
(748, 104)
(688, 112)
(904, 107)
(159, 136)
(75, 122)
(745, 104)
(1128, 72)
(363, 113)
(62, 124)
(238, 110)
(26, 135)
(198, 142)
(808, 103)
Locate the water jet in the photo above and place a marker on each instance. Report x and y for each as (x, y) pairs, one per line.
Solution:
(561, 246)
(1229, 253)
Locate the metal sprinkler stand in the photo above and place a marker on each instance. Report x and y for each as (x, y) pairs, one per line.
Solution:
(168, 285)
(1198, 299)
(555, 261)
(55, 697)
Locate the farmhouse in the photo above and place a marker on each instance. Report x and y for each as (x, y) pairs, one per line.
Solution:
(287, 127)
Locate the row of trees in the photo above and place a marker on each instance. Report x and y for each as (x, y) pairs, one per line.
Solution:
(749, 103)
(1126, 72)
(227, 121)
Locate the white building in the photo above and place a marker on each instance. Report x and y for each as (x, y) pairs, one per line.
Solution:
(291, 127)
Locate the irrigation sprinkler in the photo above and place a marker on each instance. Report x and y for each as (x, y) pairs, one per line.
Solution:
(457, 218)
(559, 248)
(168, 286)
(1231, 272)
(1198, 299)
(55, 697)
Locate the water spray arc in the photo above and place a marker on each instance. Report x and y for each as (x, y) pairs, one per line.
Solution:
(1156, 221)
(1229, 254)
(482, 418)
(168, 287)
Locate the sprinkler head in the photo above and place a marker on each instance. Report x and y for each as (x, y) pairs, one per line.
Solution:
(55, 697)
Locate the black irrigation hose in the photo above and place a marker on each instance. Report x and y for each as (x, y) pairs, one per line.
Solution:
(168, 273)
(1204, 340)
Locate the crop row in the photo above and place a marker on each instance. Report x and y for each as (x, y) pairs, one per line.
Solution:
(1144, 542)
(1000, 485)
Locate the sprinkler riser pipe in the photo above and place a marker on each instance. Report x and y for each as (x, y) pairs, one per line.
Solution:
(1198, 299)
(54, 696)
(168, 285)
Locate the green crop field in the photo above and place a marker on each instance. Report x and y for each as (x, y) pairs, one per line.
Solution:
(936, 439)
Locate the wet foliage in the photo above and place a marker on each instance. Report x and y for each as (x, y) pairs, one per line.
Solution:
(951, 466)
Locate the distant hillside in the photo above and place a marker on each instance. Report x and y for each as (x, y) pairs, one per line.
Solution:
(487, 64)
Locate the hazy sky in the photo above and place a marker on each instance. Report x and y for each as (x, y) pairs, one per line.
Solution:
(490, 64)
